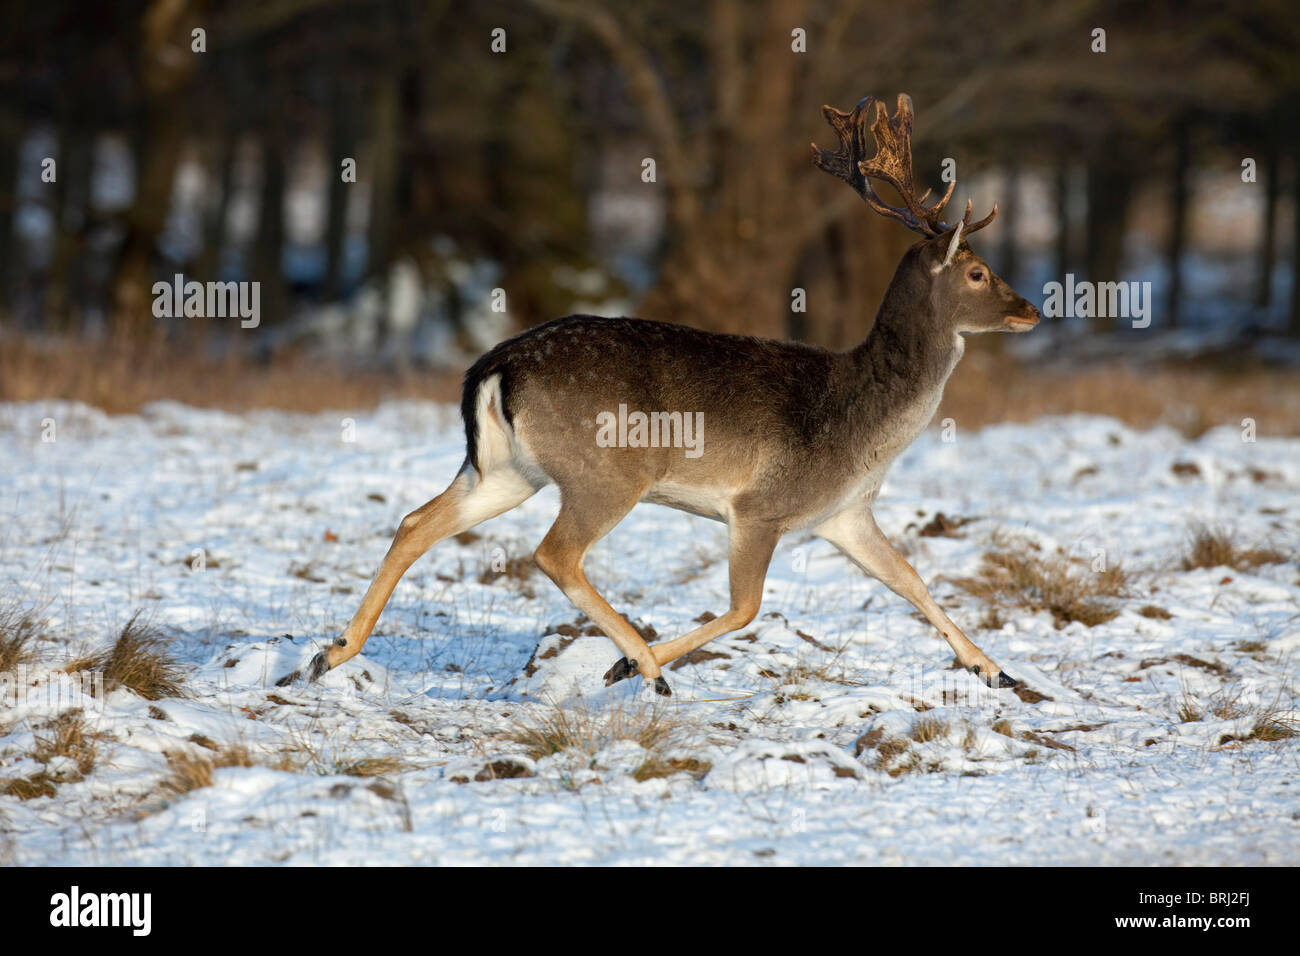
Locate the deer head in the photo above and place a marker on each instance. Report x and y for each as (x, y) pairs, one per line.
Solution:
(961, 292)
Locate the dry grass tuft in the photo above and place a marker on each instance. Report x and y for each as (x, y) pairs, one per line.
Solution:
(503, 769)
(888, 750)
(66, 736)
(29, 788)
(1188, 711)
(520, 568)
(139, 660)
(927, 729)
(588, 732)
(1269, 721)
(1272, 727)
(1214, 547)
(1005, 728)
(17, 631)
(656, 767)
(1016, 574)
(193, 772)
(372, 767)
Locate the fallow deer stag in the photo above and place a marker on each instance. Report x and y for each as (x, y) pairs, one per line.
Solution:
(798, 438)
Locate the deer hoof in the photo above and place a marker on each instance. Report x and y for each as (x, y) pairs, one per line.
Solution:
(320, 664)
(662, 688)
(997, 681)
(620, 671)
(288, 679)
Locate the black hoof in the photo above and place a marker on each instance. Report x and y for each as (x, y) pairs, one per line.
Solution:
(662, 688)
(320, 664)
(288, 679)
(620, 671)
(1002, 679)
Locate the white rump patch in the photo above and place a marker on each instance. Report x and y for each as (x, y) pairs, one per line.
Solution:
(494, 434)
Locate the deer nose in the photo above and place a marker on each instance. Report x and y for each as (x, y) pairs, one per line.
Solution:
(1024, 321)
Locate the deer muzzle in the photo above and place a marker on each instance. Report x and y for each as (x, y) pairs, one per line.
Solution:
(1021, 323)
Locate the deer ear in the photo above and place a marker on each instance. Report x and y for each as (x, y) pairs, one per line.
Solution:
(952, 250)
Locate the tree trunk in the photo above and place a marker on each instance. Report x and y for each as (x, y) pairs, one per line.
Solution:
(1009, 213)
(1062, 196)
(1293, 327)
(385, 144)
(9, 140)
(64, 289)
(132, 287)
(1108, 185)
(164, 79)
(214, 227)
(342, 142)
(268, 263)
(1178, 219)
(1268, 230)
(383, 175)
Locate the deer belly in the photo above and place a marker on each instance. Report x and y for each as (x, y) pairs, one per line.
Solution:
(704, 501)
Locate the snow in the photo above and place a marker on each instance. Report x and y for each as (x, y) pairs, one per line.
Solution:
(249, 540)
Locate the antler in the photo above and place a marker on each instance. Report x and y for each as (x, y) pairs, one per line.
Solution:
(891, 164)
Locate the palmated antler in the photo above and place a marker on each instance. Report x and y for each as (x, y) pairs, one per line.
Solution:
(891, 164)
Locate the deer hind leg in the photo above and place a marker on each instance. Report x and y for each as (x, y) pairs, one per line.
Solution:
(561, 555)
(465, 503)
(751, 553)
(856, 534)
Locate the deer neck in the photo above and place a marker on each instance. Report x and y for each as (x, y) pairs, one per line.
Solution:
(899, 372)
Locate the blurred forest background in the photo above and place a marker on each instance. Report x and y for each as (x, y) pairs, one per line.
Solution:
(520, 169)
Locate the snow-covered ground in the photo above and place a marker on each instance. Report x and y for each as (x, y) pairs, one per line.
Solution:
(250, 538)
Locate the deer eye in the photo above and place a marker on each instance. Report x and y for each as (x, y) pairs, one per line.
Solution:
(976, 274)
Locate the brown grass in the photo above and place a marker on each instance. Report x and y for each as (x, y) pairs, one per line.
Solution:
(29, 788)
(887, 750)
(1192, 396)
(17, 631)
(926, 729)
(1188, 711)
(119, 377)
(65, 736)
(1004, 728)
(519, 568)
(1154, 612)
(193, 772)
(1017, 574)
(503, 769)
(587, 732)
(1215, 547)
(138, 660)
(656, 767)
(371, 767)
(987, 387)
(1273, 728)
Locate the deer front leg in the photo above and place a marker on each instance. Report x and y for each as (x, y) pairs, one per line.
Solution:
(751, 552)
(855, 533)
